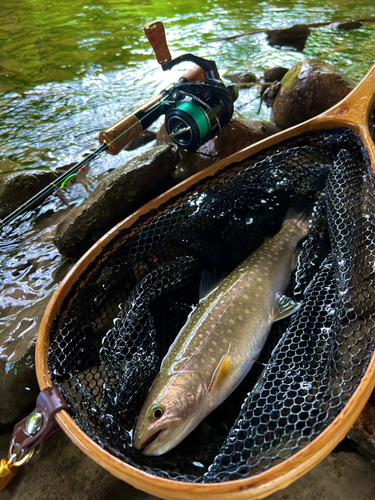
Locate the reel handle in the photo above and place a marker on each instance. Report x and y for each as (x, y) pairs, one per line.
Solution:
(156, 36)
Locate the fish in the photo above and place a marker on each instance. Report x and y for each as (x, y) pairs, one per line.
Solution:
(221, 340)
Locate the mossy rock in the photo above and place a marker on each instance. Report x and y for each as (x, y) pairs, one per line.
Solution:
(307, 89)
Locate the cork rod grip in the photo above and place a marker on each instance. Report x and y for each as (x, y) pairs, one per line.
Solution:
(123, 132)
(156, 36)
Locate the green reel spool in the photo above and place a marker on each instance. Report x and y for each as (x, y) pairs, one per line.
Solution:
(198, 115)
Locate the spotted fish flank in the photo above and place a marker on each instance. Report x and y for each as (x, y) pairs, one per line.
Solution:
(220, 341)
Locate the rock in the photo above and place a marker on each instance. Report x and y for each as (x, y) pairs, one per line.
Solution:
(18, 384)
(117, 196)
(269, 94)
(349, 25)
(275, 74)
(144, 138)
(241, 77)
(309, 88)
(60, 472)
(295, 36)
(237, 135)
(362, 434)
(18, 187)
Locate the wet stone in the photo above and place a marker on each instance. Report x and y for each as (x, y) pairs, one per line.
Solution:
(18, 384)
(117, 196)
(241, 77)
(17, 188)
(294, 37)
(269, 94)
(307, 89)
(349, 25)
(238, 134)
(275, 74)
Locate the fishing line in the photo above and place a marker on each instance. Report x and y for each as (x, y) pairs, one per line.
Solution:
(194, 97)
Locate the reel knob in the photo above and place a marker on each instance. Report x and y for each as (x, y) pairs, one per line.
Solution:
(155, 33)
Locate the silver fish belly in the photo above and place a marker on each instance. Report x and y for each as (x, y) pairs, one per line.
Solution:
(219, 343)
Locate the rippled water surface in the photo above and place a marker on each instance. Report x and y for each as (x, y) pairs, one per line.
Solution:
(69, 69)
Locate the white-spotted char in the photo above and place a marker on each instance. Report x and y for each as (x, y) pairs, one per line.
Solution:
(220, 341)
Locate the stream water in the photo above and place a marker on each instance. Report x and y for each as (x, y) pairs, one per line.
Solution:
(69, 69)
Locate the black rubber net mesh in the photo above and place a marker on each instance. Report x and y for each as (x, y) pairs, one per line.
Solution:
(120, 317)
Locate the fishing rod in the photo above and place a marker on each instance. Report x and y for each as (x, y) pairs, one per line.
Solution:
(196, 109)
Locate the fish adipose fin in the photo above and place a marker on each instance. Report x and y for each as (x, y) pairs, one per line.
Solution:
(285, 306)
(209, 281)
(221, 373)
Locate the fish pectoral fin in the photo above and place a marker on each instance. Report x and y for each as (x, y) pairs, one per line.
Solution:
(285, 306)
(209, 281)
(220, 374)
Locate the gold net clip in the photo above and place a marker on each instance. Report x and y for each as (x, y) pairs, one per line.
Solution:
(9, 466)
(7, 472)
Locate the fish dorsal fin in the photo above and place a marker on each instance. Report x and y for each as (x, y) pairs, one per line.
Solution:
(285, 306)
(221, 373)
(209, 281)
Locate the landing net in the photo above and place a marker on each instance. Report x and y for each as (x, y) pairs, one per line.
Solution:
(120, 317)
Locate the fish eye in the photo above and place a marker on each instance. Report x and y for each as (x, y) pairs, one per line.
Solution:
(156, 412)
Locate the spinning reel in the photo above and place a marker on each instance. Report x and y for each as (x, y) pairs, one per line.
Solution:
(196, 108)
(195, 112)
(199, 111)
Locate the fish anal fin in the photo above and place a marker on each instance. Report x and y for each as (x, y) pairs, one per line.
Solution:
(220, 374)
(285, 306)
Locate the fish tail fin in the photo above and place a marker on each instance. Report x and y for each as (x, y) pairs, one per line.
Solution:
(299, 215)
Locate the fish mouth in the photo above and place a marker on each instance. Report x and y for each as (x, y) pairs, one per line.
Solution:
(157, 439)
(150, 440)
